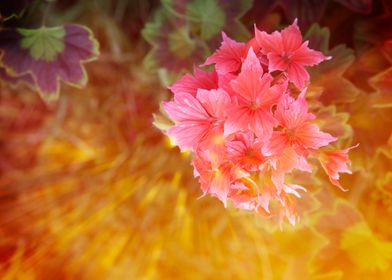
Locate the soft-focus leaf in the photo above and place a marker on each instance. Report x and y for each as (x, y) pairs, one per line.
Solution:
(183, 32)
(339, 89)
(359, 6)
(309, 11)
(371, 126)
(207, 16)
(318, 37)
(43, 43)
(15, 81)
(333, 122)
(361, 253)
(48, 54)
(382, 82)
(172, 46)
(12, 8)
(180, 43)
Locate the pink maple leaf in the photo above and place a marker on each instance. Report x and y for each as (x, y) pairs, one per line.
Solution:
(286, 52)
(219, 179)
(191, 83)
(335, 162)
(245, 150)
(284, 163)
(228, 58)
(295, 128)
(255, 98)
(197, 118)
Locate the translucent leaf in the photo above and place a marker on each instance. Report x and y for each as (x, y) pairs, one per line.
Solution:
(334, 122)
(180, 43)
(318, 37)
(308, 11)
(208, 17)
(339, 89)
(382, 82)
(183, 32)
(162, 120)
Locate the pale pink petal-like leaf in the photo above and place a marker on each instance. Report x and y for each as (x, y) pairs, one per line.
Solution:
(298, 75)
(185, 107)
(228, 58)
(308, 57)
(269, 42)
(311, 137)
(335, 162)
(291, 37)
(191, 83)
(214, 101)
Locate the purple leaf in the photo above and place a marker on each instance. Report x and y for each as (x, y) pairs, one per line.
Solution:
(16, 80)
(48, 54)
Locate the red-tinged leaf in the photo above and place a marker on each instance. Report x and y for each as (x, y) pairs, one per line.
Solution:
(386, 49)
(339, 89)
(334, 123)
(261, 10)
(366, 65)
(375, 30)
(359, 6)
(371, 126)
(362, 253)
(48, 54)
(382, 82)
(378, 191)
(308, 11)
(331, 225)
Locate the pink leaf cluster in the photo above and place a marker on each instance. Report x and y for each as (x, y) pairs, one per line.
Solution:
(248, 125)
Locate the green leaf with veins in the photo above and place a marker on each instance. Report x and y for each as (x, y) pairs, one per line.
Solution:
(43, 43)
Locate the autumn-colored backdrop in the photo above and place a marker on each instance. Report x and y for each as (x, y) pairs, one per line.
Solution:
(90, 187)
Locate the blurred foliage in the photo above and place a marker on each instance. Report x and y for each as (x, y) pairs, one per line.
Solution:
(41, 57)
(183, 32)
(90, 190)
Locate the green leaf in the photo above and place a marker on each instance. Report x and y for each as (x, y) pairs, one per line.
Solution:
(183, 32)
(180, 43)
(43, 43)
(207, 16)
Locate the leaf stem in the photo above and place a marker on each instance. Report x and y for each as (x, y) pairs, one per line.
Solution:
(48, 6)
